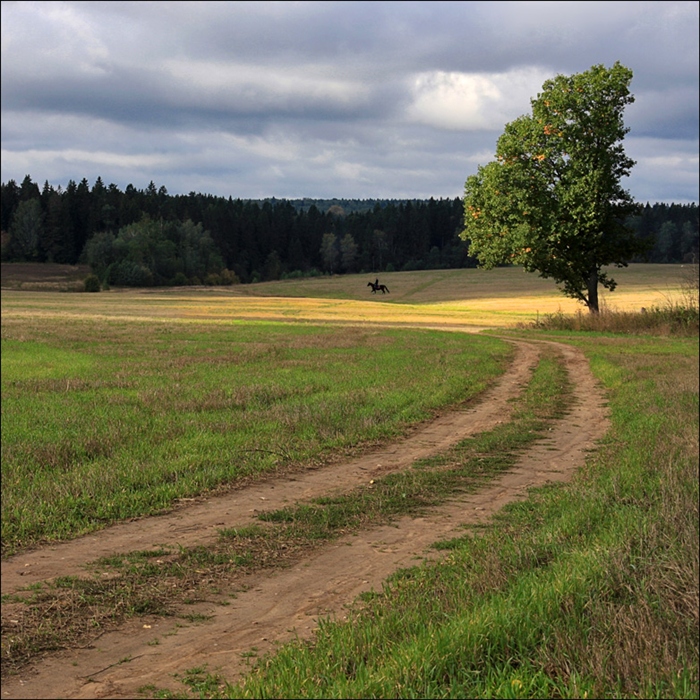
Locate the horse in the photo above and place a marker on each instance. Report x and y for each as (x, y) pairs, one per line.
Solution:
(376, 287)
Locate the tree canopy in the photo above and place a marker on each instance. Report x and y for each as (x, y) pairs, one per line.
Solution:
(552, 200)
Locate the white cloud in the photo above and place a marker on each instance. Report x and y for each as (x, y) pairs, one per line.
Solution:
(461, 101)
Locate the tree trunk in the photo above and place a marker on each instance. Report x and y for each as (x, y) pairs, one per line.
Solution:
(593, 291)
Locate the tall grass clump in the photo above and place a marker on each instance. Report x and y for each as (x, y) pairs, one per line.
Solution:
(588, 589)
(679, 317)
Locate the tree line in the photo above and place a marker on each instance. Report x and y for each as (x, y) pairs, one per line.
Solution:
(144, 237)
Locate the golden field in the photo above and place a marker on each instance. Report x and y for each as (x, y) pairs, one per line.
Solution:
(472, 298)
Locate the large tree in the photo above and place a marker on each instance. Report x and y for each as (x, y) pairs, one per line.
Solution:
(552, 200)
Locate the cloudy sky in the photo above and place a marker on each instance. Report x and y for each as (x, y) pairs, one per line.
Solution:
(327, 99)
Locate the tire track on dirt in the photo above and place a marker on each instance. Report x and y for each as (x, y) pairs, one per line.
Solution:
(285, 603)
(198, 523)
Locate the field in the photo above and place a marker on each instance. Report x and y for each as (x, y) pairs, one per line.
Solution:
(441, 298)
(168, 452)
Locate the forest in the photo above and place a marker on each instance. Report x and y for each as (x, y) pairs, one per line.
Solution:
(145, 237)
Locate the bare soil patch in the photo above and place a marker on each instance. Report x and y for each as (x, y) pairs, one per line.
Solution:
(272, 607)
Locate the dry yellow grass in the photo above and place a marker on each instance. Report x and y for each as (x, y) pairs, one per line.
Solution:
(471, 298)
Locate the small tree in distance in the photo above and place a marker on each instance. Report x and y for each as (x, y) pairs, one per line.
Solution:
(552, 200)
(330, 252)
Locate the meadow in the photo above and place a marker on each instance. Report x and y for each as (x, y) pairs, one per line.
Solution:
(585, 590)
(105, 420)
(120, 403)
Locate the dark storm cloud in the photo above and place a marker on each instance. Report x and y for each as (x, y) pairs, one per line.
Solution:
(347, 99)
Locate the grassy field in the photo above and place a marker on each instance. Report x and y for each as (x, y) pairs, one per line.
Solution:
(105, 420)
(586, 590)
(441, 298)
(118, 403)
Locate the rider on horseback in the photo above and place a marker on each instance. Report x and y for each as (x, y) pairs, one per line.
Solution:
(376, 286)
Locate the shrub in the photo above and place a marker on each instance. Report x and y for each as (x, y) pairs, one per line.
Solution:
(180, 280)
(92, 283)
(129, 274)
(229, 277)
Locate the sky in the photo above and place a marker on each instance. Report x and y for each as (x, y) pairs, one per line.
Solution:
(357, 100)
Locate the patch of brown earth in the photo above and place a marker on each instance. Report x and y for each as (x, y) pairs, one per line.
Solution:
(285, 603)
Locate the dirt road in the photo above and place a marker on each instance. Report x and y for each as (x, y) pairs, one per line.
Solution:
(278, 606)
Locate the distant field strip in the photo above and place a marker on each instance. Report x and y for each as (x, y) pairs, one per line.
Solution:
(217, 307)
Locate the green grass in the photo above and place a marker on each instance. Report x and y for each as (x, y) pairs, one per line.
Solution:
(585, 590)
(67, 611)
(103, 421)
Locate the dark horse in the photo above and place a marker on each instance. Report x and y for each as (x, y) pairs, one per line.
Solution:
(376, 287)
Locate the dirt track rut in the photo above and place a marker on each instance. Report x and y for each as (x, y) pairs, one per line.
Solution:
(285, 603)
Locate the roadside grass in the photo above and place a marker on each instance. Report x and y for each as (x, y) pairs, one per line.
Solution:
(679, 316)
(108, 420)
(673, 318)
(588, 589)
(70, 611)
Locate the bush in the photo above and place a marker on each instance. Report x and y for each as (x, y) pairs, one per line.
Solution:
(129, 274)
(180, 280)
(92, 283)
(229, 277)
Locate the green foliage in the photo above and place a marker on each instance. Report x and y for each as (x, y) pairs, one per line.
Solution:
(180, 280)
(92, 283)
(348, 253)
(330, 252)
(151, 252)
(552, 200)
(128, 273)
(26, 229)
(388, 234)
(99, 253)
